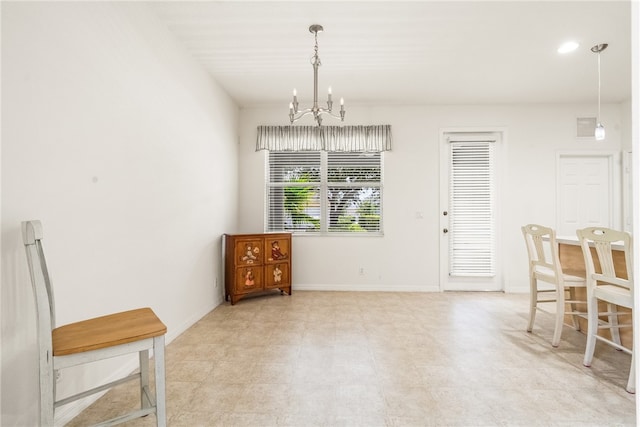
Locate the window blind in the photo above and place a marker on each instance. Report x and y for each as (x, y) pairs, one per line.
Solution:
(353, 192)
(324, 192)
(472, 193)
(293, 191)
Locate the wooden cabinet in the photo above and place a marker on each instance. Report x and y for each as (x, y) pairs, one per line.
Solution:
(256, 263)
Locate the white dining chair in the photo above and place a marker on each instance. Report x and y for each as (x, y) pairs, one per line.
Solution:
(133, 331)
(613, 287)
(544, 266)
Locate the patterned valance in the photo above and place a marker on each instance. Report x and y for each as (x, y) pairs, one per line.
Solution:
(370, 139)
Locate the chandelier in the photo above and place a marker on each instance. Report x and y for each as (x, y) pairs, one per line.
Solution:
(599, 133)
(317, 111)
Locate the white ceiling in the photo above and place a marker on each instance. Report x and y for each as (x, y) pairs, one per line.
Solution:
(420, 52)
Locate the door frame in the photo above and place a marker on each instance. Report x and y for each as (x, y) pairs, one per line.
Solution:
(615, 182)
(627, 191)
(497, 283)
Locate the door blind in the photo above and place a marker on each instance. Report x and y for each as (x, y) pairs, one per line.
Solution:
(471, 205)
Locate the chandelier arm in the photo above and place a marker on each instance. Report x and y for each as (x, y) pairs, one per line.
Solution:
(295, 117)
(317, 113)
(328, 112)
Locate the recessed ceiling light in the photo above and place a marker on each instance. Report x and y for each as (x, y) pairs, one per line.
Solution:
(568, 47)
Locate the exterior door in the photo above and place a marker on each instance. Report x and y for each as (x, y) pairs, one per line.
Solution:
(469, 218)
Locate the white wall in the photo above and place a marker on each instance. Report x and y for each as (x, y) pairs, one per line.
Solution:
(127, 152)
(407, 257)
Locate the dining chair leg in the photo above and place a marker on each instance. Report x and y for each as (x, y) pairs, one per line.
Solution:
(47, 386)
(574, 309)
(592, 329)
(158, 355)
(144, 379)
(613, 321)
(557, 332)
(631, 383)
(47, 398)
(533, 303)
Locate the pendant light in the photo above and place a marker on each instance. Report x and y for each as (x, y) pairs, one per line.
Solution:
(599, 133)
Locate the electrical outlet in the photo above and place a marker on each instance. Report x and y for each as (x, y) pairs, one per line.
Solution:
(361, 271)
(58, 376)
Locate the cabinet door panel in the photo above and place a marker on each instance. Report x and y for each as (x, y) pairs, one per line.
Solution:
(249, 279)
(277, 275)
(248, 252)
(277, 248)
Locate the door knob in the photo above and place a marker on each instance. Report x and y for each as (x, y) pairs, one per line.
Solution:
(445, 230)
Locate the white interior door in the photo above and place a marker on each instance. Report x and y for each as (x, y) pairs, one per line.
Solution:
(469, 215)
(586, 192)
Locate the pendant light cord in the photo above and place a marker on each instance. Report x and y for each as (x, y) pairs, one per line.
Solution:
(599, 86)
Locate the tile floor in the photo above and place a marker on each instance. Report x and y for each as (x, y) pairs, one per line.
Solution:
(382, 359)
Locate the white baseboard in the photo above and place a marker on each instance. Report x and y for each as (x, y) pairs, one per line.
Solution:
(387, 288)
(189, 322)
(517, 290)
(366, 288)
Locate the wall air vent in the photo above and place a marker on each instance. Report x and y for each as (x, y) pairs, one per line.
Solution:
(585, 127)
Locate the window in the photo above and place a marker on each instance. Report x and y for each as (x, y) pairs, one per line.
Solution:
(324, 192)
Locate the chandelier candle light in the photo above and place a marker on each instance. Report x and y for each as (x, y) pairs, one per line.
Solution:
(599, 133)
(296, 114)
